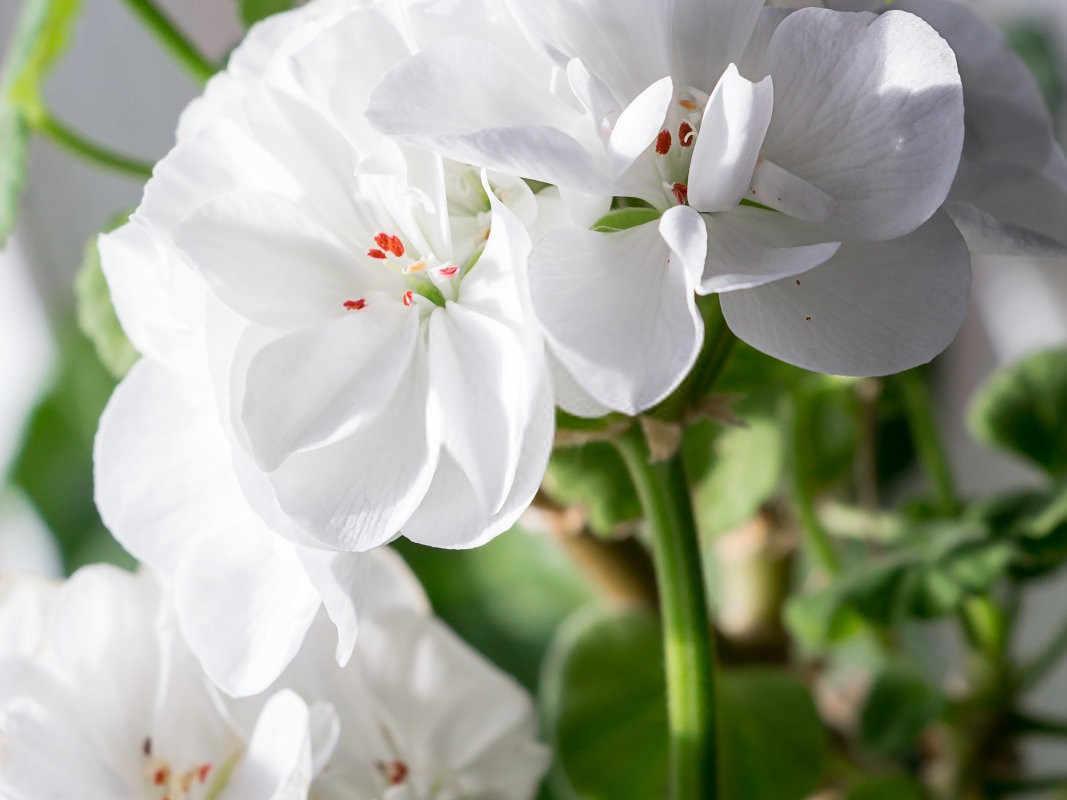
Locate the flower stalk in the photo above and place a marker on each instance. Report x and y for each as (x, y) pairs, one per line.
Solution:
(664, 494)
(73, 141)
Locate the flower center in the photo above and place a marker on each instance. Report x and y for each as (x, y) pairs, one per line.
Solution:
(165, 781)
(674, 145)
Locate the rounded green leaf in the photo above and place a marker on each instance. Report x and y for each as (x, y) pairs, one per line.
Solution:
(1023, 409)
(899, 706)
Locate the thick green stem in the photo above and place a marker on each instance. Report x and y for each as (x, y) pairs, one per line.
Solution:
(73, 141)
(187, 54)
(687, 635)
(919, 409)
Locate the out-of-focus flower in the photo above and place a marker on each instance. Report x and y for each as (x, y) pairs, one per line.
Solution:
(758, 146)
(98, 680)
(337, 346)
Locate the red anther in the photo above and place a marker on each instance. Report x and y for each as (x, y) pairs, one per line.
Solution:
(160, 776)
(685, 134)
(382, 240)
(376, 254)
(202, 772)
(407, 298)
(396, 247)
(450, 272)
(688, 105)
(356, 305)
(681, 193)
(396, 772)
(663, 143)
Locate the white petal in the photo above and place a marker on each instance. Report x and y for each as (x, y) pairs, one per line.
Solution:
(873, 309)
(244, 603)
(466, 100)
(618, 311)
(277, 765)
(870, 110)
(640, 123)
(625, 43)
(750, 246)
(356, 494)
(685, 233)
(316, 385)
(481, 381)
(158, 299)
(731, 135)
(570, 396)
(269, 261)
(355, 584)
(25, 606)
(986, 234)
(707, 36)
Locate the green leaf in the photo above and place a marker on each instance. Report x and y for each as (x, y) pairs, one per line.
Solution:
(506, 599)
(55, 465)
(604, 703)
(96, 314)
(41, 35)
(1023, 409)
(622, 219)
(744, 472)
(899, 706)
(929, 574)
(773, 743)
(826, 431)
(252, 11)
(594, 478)
(895, 787)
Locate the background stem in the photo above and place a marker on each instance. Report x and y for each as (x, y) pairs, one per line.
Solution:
(71, 140)
(173, 39)
(664, 493)
(919, 410)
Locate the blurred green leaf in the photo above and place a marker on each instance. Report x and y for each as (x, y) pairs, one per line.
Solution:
(1036, 524)
(594, 478)
(744, 472)
(96, 314)
(826, 431)
(895, 787)
(773, 743)
(252, 11)
(604, 704)
(41, 35)
(899, 706)
(506, 599)
(55, 466)
(1023, 409)
(929, 574)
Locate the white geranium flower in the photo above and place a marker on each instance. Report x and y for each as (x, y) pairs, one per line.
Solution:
(110, 693)
(336, 347)
(764, 150)
(1010, 195)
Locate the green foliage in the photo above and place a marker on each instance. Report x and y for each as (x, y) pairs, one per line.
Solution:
(96, 314)
(622, 219)
(604, 705)
(825, 431)
(1023, 409)
(55, 466)
(744, 472)
(899, 706)
(594, 478)
(773, 744)
(41, 35)
(894, 787)
(930, 574)
(252, 11)
(506, 599)
(1035, 45)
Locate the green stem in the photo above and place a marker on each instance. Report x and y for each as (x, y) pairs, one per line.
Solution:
(664, 494)
(1046, 661)
(71, 140)
(817, 540)
(1028, 724)
(919, 410)
(173, 39)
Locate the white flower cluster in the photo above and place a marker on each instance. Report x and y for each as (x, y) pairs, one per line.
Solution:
(371, 268)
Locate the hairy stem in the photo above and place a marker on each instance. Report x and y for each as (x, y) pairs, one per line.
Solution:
(161, 26)
(664, 493)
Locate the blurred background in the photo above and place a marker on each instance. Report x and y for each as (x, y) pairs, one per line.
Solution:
(117, 86)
